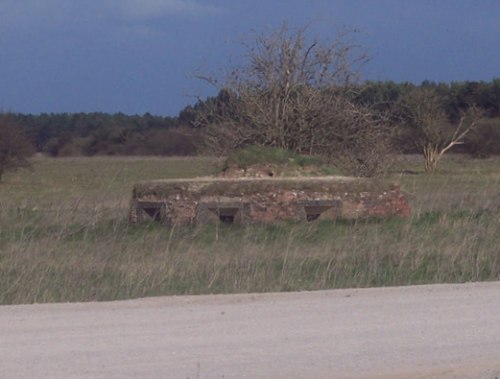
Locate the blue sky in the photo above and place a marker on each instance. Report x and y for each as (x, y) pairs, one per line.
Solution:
(137, 56)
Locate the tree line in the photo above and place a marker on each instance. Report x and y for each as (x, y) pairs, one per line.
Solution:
(87, 134)
(63, 134)
(74, 134)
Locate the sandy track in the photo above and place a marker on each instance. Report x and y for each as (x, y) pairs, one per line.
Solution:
(440, 331)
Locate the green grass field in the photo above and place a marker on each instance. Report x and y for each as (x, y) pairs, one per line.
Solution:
(64, 236)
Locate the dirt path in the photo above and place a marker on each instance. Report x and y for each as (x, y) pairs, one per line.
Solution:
(440, 331)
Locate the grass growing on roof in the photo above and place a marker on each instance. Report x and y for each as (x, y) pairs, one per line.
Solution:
(236, 187)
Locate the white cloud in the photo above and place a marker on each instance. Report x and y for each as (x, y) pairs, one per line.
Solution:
(157, 9)
(32, 15)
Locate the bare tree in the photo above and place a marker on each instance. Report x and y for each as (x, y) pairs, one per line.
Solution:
(15, 149)
(293, 93)
(357, 139)
(422, 110)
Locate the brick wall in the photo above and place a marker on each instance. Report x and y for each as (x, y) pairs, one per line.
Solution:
(199, 201)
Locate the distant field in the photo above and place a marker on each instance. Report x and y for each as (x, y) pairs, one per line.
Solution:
(64, 236)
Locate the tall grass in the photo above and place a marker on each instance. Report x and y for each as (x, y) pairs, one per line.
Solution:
(64, 236)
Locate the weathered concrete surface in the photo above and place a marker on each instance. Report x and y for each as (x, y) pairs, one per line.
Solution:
(440, 331)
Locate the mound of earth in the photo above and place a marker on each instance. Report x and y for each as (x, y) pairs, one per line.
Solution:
(265, 162)
(270, 170)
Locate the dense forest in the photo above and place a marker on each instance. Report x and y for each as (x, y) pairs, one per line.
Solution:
(119, 134)
(64, 134)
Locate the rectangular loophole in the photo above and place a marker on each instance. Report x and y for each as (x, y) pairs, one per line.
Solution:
(155, 210)
(313, 213)
(227, 212)
(320, 209)
(226, 215)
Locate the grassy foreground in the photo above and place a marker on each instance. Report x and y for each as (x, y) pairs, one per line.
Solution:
(64, 236)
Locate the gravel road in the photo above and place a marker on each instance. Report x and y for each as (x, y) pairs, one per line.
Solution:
(436, 331)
